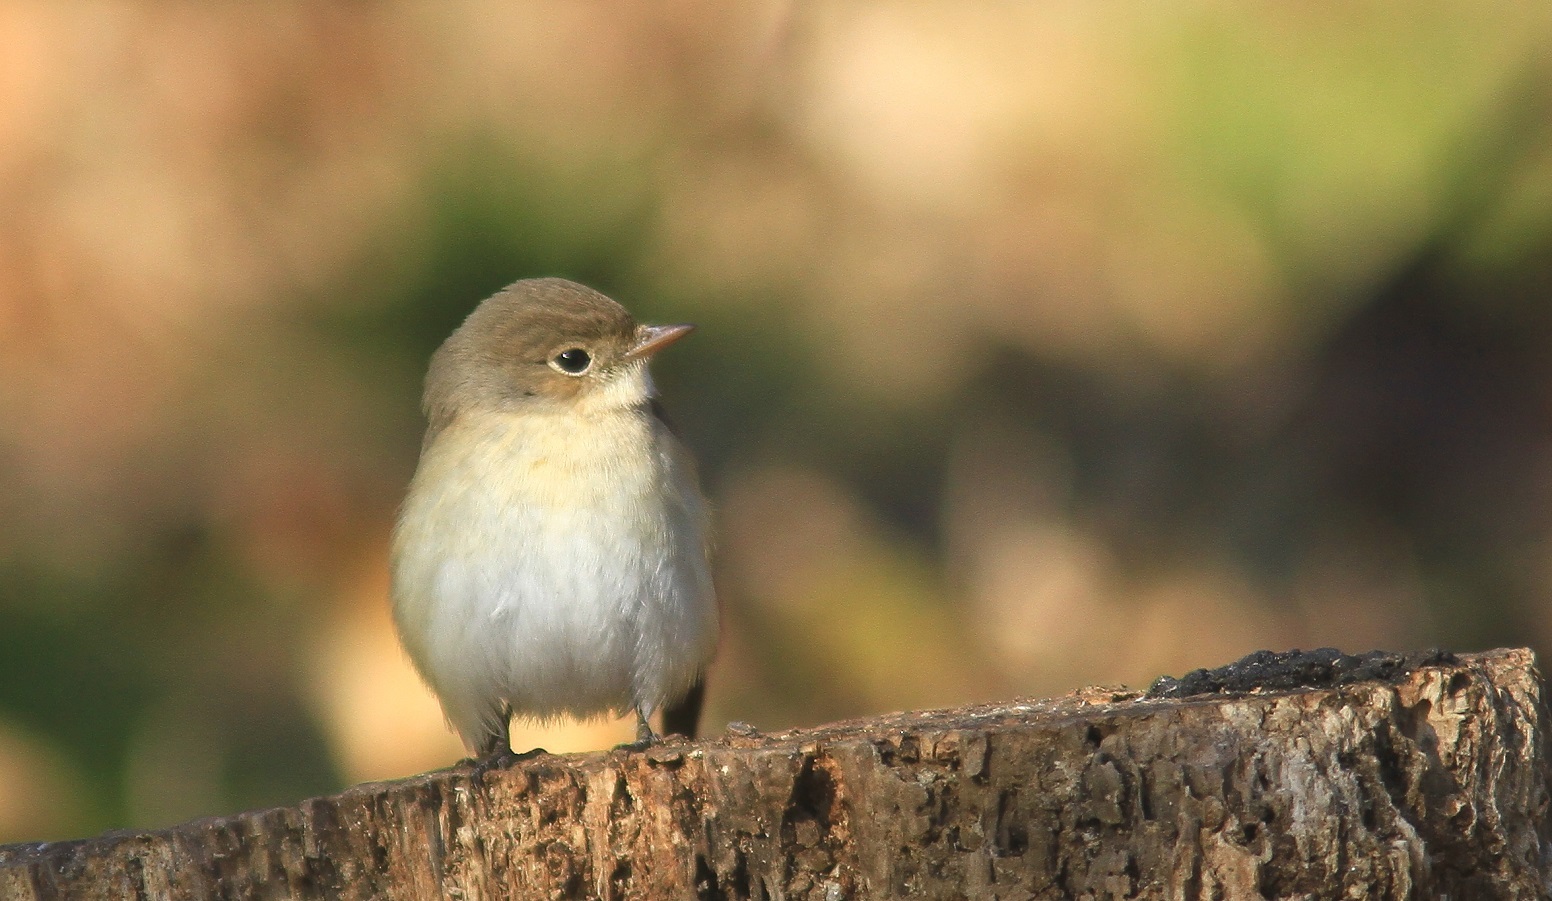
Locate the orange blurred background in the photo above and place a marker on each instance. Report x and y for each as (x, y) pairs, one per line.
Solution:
(1043, 344)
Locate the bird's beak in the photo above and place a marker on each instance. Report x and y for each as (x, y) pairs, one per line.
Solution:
(652, 338)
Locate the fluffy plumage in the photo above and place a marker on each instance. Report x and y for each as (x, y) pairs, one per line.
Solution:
(550, 557)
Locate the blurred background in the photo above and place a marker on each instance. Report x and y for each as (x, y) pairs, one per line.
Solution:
(1043, 345)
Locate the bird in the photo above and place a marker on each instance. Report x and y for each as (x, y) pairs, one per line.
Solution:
(551, 555)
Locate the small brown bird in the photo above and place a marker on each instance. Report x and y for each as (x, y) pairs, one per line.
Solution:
(551, 555)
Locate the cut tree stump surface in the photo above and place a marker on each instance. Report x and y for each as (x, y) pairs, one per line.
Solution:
(1432, 784)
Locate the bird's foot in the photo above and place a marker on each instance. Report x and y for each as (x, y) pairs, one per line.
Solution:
(497, 754)
(499, 759)
(645, 737)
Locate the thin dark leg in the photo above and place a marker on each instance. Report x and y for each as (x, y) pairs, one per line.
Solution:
(683, 717)
(644, 733)
(496, 750)
(497, 744)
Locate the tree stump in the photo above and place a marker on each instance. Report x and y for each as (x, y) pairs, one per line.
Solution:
(1430, 784)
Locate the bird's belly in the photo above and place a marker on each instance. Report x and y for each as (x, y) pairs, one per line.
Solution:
(576, 587)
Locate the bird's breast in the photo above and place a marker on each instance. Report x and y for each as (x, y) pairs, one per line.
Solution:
(514, 507)
(560, 563)
(548, 462)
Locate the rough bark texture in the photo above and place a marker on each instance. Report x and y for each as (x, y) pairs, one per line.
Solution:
(1432, 786)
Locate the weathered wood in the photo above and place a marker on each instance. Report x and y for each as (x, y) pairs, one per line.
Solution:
(1435, 786)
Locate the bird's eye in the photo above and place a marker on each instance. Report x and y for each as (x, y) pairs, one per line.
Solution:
(572, 361)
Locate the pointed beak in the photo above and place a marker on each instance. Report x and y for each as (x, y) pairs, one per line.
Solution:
(652, 338)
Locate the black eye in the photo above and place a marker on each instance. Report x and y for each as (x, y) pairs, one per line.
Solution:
(572, 361)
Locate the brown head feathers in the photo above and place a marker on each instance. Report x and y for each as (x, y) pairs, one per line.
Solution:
(539, 344)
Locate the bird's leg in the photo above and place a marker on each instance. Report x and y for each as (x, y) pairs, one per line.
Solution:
(644, 734)
(497, 745)
(495, 751)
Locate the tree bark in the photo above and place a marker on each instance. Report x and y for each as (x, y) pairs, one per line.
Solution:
(1431, 785)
